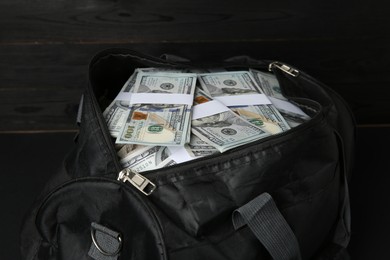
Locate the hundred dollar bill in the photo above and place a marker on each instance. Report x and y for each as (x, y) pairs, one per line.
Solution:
(270, 85)
(167, 162)
(115, 113)
(234, 83)
(159, 124)
(171, 70)
(145, 158)
(178, 154)
(198, 148)
(224, 130)
(126, 150)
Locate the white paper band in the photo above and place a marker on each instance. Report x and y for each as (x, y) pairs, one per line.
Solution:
(123, 96)
(207, 109)
(244, 100)
(156, 98)
(179, 154)
(287, 106)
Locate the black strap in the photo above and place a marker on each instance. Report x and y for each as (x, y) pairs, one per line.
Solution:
(269, 226)
(106, 243)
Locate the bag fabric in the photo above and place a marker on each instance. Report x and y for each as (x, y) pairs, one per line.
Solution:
(281, 197)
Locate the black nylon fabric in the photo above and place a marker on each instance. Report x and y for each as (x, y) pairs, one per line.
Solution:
(188, 216)
(66, 219)
(309, 186)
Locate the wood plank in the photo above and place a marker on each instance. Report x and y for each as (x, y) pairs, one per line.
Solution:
(45, 47)
(41, 84)
(38, 109)
(86, 21)
(55, 65)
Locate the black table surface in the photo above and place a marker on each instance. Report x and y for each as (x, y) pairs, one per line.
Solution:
(28, 160)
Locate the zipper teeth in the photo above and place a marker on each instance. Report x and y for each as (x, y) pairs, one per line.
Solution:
(98, 114)
(327, 88)
(270, 139)
(315, 81)
(156, 172)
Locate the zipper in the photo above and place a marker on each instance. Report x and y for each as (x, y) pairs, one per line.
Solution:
(271, 140)
(283, 67)
(295, 73)
(95, 105)
(125, 175)
(145, 185)
(137, 180)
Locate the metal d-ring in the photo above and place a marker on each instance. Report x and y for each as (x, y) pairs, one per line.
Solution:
(100, 249)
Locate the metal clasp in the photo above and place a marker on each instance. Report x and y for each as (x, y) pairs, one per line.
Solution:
(109, 237)
(287, 69)
(137, 180)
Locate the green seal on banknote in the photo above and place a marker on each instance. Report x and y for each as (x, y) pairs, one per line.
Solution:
(155, 128)
(256, 122)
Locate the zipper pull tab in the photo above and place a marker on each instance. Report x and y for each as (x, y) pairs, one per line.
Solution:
(287, 69)
(137, 180)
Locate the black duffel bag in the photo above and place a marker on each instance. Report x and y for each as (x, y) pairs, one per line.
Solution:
(281, 197)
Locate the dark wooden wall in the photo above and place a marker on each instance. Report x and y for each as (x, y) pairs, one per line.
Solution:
(45, 47)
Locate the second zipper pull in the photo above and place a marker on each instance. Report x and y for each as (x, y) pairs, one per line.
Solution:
(137, 180)
(283, 67)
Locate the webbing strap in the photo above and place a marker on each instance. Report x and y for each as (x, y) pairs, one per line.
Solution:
(106, 243)
(269, 226)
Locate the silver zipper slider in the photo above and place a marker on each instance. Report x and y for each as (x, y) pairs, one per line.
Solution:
(137, 180)
(287, 69)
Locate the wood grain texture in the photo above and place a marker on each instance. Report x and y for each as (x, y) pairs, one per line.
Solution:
(45, 47)
(99, 21)
(41, 89)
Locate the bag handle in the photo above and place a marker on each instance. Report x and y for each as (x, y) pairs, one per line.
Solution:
(269, 226)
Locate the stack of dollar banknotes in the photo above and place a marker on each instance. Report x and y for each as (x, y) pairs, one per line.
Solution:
(165, 117)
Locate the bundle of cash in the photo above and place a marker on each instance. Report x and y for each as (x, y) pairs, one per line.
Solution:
(166, 123)
(141, 158)
(145, 158)
(154, 128)
(222, 128)
(293, 115)
(115, 114)
(234, 83)
(198, 148)
(125, 149)
(268, 83)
